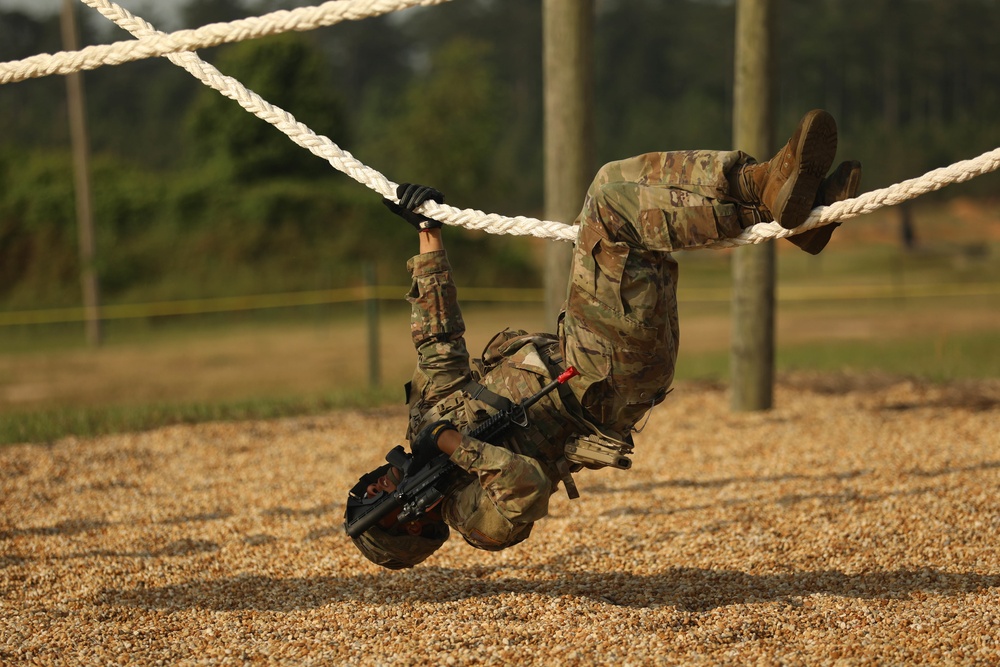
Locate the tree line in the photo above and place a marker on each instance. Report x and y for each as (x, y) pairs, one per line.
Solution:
(195, 197)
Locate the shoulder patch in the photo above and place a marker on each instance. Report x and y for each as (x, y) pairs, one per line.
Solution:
(527, 358)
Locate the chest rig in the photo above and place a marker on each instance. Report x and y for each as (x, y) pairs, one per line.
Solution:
(513, 362)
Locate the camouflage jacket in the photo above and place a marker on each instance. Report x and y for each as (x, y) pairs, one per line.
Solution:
(509, 483)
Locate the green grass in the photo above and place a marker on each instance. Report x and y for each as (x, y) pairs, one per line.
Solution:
(956, 357)
(939, 359)
(52, 337)
(43, 426)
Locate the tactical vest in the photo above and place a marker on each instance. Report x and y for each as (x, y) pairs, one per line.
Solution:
(515, 365)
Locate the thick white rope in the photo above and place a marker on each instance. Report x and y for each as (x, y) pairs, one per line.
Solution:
(160, 44)
(471, 218)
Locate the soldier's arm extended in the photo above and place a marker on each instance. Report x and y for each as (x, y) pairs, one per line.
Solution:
(436, 325)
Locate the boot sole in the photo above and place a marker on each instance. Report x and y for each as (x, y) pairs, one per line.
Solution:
(816, 150)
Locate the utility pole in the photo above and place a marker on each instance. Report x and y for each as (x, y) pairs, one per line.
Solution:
(81, 179)
(568, 30)
(752, 348)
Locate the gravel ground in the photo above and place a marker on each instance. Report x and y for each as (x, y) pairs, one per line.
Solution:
(856, 523)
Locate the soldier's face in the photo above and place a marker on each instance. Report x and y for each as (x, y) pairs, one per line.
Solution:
(384, 483)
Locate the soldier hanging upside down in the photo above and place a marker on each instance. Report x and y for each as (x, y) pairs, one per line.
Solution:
(618, 329)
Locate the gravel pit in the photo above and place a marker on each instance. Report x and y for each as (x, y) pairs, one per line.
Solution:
(856, 523)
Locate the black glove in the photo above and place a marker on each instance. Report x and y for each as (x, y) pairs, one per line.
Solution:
(411, 196)
(424, 446)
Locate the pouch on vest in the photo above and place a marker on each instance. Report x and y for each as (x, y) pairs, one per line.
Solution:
(599, 451)
(494, 351)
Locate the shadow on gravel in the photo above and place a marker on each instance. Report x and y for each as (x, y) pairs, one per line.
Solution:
(687, 589)
(63, 528)
(81, 526)
(720, 482)
(768, 479)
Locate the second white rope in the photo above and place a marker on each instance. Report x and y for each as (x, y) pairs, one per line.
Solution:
(496, 224)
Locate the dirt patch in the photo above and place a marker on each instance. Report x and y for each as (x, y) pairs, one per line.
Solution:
(854, 523)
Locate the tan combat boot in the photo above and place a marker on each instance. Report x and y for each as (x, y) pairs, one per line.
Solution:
(843, 183)
(784, 188)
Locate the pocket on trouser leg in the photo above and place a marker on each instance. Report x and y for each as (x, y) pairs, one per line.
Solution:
(598, 265)
(639, 380)
(691, 221)
(588, 353)
(621, 382)
(626, 354)
(471, 512)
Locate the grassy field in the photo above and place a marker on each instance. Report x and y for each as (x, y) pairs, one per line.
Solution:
(865, 305)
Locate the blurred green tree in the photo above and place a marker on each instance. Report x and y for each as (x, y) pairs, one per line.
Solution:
(445, 127)
(203, 12)
(286, 70)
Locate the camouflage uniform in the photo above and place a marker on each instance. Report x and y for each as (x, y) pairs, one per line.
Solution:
(507, 487)
(619, 329)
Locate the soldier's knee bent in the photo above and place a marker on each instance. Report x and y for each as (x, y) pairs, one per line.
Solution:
(485, 524)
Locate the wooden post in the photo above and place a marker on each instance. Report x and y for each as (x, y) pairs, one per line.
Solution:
(568, 28)
(752, 348)
(81, 180)
(372, 311)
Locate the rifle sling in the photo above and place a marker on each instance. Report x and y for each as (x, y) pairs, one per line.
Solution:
(480, 393)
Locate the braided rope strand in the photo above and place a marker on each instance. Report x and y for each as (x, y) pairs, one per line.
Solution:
(157, 43)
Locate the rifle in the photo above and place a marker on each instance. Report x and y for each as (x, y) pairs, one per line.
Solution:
(419, 490)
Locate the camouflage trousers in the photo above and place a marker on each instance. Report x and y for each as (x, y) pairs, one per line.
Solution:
(619, 326)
